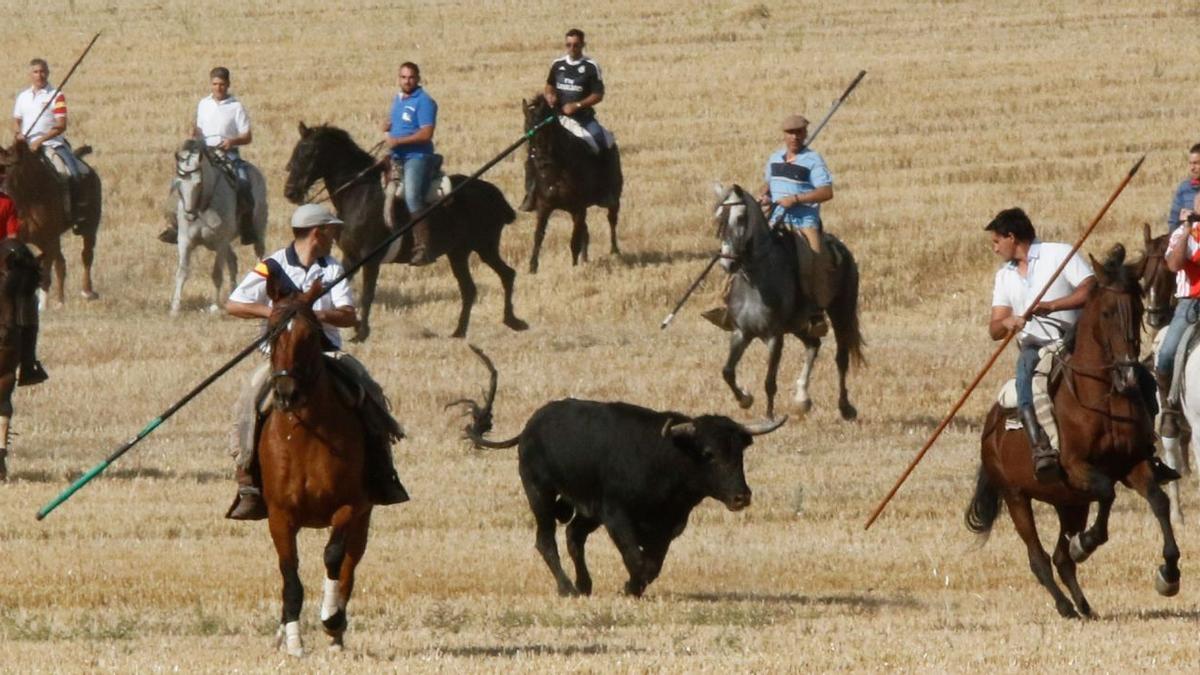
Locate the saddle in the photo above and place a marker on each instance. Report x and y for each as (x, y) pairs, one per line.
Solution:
(75, 204)
(439, 183)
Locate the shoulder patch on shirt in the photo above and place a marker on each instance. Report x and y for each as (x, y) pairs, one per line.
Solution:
(262, 270)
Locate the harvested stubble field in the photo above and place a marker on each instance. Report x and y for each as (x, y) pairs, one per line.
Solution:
(968, 107)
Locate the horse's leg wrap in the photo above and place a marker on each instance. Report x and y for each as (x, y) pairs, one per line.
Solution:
(1170, 409)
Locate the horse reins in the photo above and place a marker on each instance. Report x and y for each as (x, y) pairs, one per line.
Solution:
(318, 198)
(1110, 365)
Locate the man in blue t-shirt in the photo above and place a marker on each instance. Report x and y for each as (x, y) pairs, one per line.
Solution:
(797, 183)
(1185, 195)
(409, 135)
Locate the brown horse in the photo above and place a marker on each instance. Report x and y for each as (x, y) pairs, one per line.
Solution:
(567, 178)
(1106, 432)
(19, 278)
(38, 192)
(311, 451)
(1158, 282)
(471, 221)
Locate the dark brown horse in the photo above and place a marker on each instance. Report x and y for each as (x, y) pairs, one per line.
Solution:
(1158, 282)
(471, 222)
(38, 193)
(311, 451)
(568, 178)
(1106, 432)
(19, 277)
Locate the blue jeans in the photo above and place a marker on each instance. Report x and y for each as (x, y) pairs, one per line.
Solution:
(418, 173)
(1165, 362)
(1026, 363)
(597, 133)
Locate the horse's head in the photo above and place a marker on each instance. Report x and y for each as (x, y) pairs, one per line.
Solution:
(189, 165)
(736, 215)
(536, 109)
(1111, 322)
(305, 162)
(296, 359)
(1158, 282)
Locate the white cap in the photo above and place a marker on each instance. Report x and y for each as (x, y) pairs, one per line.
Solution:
(313, 215)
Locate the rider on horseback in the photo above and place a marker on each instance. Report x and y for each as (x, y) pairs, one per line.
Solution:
(797, 183)
(1183, 258)
(574, 87)
(409, 134)
(26, 314)
(1028, 265)
(47, 132)
(301, 264)
(222, 122)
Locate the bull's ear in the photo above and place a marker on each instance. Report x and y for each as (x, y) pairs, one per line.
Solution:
(304, 130)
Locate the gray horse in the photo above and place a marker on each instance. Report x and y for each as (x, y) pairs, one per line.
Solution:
(763, 301)
(206, 214)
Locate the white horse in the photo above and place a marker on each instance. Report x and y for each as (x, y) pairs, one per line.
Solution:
(206, 213)
(1174, 454)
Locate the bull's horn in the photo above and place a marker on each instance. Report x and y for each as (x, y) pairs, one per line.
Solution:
(676, 430)
(764, 427)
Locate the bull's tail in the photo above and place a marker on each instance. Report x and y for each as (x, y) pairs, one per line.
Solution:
(481, 415)
(984, 507)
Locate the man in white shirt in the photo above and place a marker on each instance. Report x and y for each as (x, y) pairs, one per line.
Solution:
(222, 121)
(1028, 265)
(299, 265)
(45, 129)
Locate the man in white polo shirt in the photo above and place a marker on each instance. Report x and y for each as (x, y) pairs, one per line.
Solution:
(299, 265)
(46, 130)
(1028, 265)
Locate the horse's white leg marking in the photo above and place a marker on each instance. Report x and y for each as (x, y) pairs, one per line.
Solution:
(1172, 456)
(329, 603)
(41, 298)
(295, 646)
(801, 398)
(181, 272)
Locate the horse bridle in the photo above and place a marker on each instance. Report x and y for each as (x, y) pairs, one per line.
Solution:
(1163, 310)
(301, 377)
(1111, 363)
(184, 175)
(318, 198)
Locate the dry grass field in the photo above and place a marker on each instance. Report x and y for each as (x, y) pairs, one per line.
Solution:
(968, 107)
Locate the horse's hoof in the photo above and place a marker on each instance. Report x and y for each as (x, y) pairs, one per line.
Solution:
(849, 412)
(516, 324)
(89, 295)
(213, 308)
(460, 333)
(1076, 549)
(1067, 611)
(746, 401)
(336, 647)
(1167, 589)
(801, 408)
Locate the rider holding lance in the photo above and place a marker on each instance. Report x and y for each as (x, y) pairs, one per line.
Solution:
(1028, 265)
(47, 130)
(304, 262)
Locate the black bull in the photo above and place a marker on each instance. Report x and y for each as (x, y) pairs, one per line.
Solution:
(638, 472)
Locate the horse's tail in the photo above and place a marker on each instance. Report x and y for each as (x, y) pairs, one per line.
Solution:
(481, 415)
(985, 505)
(843, 311)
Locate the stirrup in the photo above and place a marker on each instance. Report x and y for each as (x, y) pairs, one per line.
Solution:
(389, 492)
(247, 505)
(719, 317)
(1046, 468)
(1162, 473)
(32, 375)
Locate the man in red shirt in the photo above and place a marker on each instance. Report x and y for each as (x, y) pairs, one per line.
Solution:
(8, 211)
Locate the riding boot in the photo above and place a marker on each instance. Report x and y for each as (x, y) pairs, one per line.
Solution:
(530, 202)
(1170, 409)
(248, 505)
(382, 482)
(31, 371)
(1045, 458)
(421, 248)
(245, 213)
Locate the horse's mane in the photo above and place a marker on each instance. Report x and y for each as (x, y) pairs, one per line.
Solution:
(341, 138)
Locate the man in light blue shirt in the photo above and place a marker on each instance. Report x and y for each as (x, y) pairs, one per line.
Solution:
(409, 130)
(798, 182)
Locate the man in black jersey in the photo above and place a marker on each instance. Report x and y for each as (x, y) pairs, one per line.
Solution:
(573, 88)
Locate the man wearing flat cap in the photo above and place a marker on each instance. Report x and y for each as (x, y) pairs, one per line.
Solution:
(301, 264)
(797, 183)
